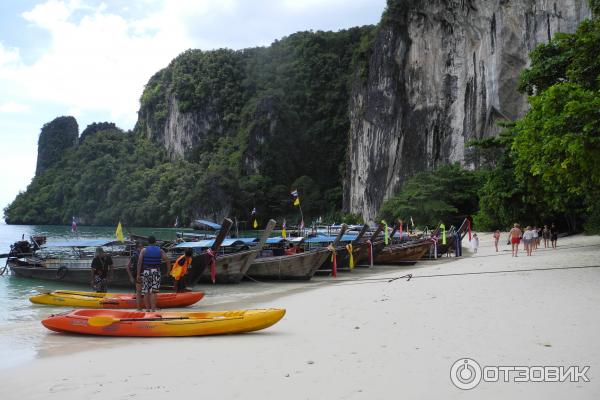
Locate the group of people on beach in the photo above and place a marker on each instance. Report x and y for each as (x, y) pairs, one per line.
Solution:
(144, 264)
(531, 237)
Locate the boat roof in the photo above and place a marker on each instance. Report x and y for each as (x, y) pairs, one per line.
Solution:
(210, 224)
(86, 243)
(209, 242)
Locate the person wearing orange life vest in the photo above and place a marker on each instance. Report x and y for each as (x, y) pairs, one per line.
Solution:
(179, 270)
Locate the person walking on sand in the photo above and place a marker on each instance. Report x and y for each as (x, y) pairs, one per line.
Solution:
(131, 271)
(475, 243)
(148, 272)
(546, 235)
(496, 239)
(534, 242)
(515, 238)
(528, 240)
(102, 270)
(553, 235)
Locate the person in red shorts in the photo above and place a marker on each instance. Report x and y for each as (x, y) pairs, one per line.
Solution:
(515, 238)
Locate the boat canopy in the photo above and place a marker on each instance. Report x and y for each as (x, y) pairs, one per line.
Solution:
(208, 224)
(202, 244)
(86, 243)
(329, 239)
(276, 240)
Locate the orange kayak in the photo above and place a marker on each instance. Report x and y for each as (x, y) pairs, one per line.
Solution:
(128, 323)
(71, 298)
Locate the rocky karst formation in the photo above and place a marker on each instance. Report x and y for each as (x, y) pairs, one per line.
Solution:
(56, 136)
(440, 73)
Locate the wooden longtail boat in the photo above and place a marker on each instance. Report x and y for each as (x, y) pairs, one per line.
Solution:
(450, 239)
(403, 253)
(343, 252)
(362, 255)
(203, 259)
(231, 268)
(70, 262)
(300, 266)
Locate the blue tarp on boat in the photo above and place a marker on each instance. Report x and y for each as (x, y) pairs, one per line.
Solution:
(84, 243)
(208, 224)
(202, 244)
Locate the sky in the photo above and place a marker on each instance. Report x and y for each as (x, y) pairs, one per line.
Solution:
(91, 59)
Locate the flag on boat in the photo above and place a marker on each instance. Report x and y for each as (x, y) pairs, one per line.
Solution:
(412, 223)
(283, 230)
(73, 225)
(119, 232)
(301, 224)
(254, 221)
(296, 198)
(176, 224)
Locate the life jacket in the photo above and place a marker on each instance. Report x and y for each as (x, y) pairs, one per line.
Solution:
(152, 257)
(180, 267)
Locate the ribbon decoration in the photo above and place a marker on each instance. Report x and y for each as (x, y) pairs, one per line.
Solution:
(213, 265)
(349, 248)
(386, 236)
(443, 228)
(435, 240)
(370, 253)
(401, 235)
(333, 260)
(469, 227)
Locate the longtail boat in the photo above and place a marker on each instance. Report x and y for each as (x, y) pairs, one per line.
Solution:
(370, 244)
(450, 239)
(403, 253)
(70, 261)
(300, 266)
(232, 267)
(352, 247)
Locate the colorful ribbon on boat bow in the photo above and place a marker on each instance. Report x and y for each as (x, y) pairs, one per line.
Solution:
(213, 265)
(443, 228)
(386, 236)
(349, 248)
(333, 260)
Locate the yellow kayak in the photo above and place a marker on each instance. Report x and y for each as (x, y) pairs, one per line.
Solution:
(128, 323)
(72, 298)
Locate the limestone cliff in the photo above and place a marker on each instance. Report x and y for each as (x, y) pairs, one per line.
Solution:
(440, 73)
(56, 136)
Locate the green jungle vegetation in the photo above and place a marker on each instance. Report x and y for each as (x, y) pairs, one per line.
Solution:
(544, 167)
(281, 124)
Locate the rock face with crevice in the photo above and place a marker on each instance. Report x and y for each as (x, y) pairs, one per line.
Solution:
(441, 73)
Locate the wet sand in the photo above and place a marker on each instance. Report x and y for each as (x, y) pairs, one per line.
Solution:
(365, 335)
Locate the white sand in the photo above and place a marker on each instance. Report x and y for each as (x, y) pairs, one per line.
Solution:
(363, 339)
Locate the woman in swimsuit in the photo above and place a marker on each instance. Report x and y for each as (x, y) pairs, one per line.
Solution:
(496, 239)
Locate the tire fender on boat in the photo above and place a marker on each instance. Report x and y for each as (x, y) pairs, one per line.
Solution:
(61, 272)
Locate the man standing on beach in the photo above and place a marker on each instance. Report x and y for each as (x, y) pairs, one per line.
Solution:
(148, 272)
(515, 238)
(131, 269)
(102, 266)
(553, 235)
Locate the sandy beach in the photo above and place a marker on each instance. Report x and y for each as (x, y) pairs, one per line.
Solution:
(365, 335)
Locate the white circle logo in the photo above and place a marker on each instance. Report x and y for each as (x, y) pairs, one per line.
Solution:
(465, 373)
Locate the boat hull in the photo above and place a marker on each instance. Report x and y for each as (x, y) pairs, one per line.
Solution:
(127, 323)
(405, 253)
(301, 266)
(70, 298)
(230, 268)
(81, 276)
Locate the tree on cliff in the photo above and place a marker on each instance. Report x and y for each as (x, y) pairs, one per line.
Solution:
(553, 152)
(56, 137)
